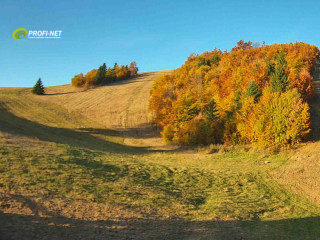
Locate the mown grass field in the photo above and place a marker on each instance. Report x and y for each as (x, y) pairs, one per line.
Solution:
(70, 170)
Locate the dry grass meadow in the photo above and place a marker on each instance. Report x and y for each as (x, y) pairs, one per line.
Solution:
(90, 164)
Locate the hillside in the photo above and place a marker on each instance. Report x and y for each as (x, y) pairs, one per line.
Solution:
(250, 95)
(301, 173)
(122, 106)
(90, 165)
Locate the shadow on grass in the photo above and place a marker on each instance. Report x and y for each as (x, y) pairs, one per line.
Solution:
(314, 104)
(142, 131)
(11, 123)
(129, 80)
(105, 171)
(15, 226)
(57, 94)
(133, 79)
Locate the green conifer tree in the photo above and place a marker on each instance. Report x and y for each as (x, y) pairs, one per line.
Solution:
(110, 75)
(115, 66)
(38, 88)
(279, 79)
(253, 90)
(210, 111)
(215, 59)
(101, 74)
(270, 67)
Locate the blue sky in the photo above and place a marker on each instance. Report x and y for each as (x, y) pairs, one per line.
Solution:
(158, 35)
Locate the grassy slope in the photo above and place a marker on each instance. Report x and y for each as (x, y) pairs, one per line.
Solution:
(122, 106)
(301, 173)
(64, 174)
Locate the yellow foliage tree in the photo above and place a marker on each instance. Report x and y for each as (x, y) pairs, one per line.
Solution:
(179, 100)
(78, 80)
(278, 121)
(91, 77)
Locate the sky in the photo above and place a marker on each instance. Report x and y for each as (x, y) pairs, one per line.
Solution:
(158, 35)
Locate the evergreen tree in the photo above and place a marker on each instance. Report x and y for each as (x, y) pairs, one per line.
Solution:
(204, 62)
(279, 79)
(270, 67)
(210, 111)
(110, 75)
(115, 66)
(215, 59)
(237, 105)
(38, 88)
(281, 58)
(101, 74)
(253, 91)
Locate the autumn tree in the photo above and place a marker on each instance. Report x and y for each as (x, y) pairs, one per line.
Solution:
(78, 80)
(104, 75)
(133, 68)
(182, 100)
(242, 45)
(278, 121)
(122, 73)
(91, 77)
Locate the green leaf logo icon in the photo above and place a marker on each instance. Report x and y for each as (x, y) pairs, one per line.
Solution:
(19, 33)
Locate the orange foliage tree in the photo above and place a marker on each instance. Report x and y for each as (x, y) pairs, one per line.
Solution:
(104, 75)
(181, 99)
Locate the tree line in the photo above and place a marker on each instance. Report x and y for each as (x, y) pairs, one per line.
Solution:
(255, 93)
(104, 75)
